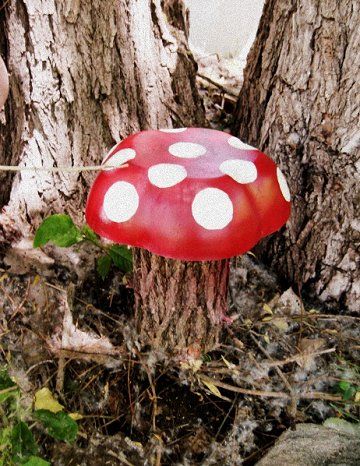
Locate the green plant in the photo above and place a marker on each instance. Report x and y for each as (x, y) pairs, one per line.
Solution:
(349, 385)
(62, 231)
(349, 389)
(18, 445)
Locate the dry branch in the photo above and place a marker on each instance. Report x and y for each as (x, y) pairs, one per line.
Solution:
(264, 393)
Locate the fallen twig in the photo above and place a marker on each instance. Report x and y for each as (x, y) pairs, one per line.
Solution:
(274, 363)
(120, 456)
(9, 389)
(70, 353)
(216, 84)
(267, 394)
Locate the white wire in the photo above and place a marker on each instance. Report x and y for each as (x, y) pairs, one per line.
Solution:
(9, 168)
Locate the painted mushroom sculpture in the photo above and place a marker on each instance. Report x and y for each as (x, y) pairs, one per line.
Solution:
(187, 199)
(4, 83)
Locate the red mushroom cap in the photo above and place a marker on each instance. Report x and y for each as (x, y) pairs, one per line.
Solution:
(4, 83)
(189, 194)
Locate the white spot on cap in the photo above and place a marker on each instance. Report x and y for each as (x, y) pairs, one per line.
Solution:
(173, 130)
(165, 175)
(235, 142)
(242, 171)
(187, 150)
(283, 185)
(212, 209)
(121, 157)
(121, 202)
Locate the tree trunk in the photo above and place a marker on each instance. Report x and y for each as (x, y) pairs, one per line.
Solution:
(300, 104)
(179, 306)
(83, 75)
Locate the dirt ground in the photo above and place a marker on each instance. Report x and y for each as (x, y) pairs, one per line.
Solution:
(283, 360)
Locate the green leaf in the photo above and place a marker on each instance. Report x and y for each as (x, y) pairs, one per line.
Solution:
(121, 256)
(59, 425)
(5, 380)
(60, 229)
(8, 387)
(349, 393)
(344, 385)
(36, 461)
(103, 266)
(22, 443)
(90, 234)
(5, 446)
(206, 357)
(5, 439)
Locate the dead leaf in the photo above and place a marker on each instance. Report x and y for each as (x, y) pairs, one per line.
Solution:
(248, 323)
(76, 416)
(267, 310)
(267, 314)
(238, 343)
(227, 363)
(23, 258)
(281, 324)
(213, 389)
(192, 364)
(330, 331)
(44, 399)
(308, 347)
(74, 339)
(289, 303)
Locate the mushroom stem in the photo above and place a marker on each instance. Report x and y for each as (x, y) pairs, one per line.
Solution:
(179, 306)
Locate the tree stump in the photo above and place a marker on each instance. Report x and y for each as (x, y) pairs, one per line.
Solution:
(180, 306)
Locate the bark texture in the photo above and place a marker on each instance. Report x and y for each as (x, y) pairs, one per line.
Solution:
(179, 306)
(300, 104)
(83, 75)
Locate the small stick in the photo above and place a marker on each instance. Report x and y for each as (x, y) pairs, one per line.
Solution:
(216, 84)
(73, 353)
(121, 457)
(175, 113)
(154, 398)
(273, 363)
(4, 5)
(226, 417)
(60, 374)
(9, 389)
(245, 391)
(34, 366)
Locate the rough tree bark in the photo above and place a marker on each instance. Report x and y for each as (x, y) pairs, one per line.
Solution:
(82, 76)
(179, 306)
(300, 104)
